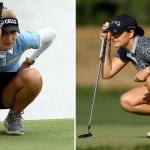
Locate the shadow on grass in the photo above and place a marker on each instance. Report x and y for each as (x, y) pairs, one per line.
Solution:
(142, 137)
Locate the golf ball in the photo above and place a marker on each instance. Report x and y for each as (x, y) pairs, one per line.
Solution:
(148, 134)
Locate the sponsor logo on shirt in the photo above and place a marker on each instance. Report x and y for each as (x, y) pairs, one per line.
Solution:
(14, 59)
(36, 37)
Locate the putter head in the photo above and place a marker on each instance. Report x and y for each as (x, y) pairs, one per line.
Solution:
(85, 135)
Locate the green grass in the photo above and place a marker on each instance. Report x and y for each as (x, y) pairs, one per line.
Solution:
(112, 127)
(114, 136)
(41, 135)
(139, 147)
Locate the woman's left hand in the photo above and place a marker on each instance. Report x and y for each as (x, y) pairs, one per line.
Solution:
(142, 75)
(24, 65)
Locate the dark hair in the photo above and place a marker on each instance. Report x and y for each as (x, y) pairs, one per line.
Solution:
(139, 31)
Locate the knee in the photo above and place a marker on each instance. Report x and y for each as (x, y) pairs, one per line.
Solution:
(148, 83)
(32, 79)
(126, 102)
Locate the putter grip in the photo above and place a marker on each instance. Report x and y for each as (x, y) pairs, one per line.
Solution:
(103, 45)
(1, 6)
(107, 23)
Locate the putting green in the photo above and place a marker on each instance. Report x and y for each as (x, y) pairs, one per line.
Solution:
(41, 135)
(112, 127)
(114, 135)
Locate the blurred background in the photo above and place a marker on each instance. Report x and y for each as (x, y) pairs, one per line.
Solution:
(96, 12)
(111, 126)
(90, 16)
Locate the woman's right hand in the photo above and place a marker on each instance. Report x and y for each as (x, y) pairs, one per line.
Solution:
(105, 35)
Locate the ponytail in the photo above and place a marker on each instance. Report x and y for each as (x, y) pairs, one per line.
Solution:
(138, 31)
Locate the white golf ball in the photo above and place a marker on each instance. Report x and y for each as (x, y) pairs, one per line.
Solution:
(148, 134)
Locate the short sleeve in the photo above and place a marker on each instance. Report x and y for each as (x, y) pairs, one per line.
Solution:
(122, 54)
(27, 40)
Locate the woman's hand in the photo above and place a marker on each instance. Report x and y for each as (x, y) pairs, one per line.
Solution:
(142, 75)
(105, 35)
(24, 65)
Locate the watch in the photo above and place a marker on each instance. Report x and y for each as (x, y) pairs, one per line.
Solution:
(31, 62)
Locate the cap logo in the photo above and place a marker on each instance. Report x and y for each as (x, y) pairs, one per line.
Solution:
(116, 23)
(9, 21)
(9, 24)
(115, 31)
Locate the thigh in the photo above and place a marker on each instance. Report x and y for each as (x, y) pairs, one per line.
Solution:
(29, 78)
(138, 95)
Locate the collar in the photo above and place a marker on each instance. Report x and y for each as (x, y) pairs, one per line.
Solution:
(10, 51)
(3, 53)
(134, 45)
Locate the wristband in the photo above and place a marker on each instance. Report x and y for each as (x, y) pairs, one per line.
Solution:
(31, 62)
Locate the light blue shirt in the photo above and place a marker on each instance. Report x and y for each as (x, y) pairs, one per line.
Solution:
(9, 60)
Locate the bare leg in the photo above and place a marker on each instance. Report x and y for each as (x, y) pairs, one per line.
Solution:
(22, 90)
(137, 100)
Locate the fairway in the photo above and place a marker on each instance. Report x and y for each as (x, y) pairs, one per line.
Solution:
(112, 127)
(41, 135)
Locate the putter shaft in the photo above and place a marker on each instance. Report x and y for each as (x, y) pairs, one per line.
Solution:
(101, 58)
(99, 68)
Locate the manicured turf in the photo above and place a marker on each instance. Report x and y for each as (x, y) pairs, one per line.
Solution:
(41, 135)
(112, 127)
(114, 136)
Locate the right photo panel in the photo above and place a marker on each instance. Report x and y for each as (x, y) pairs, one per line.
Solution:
(112, 75)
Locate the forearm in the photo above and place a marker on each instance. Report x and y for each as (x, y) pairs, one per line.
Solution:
(47, 36)
(32, 56)
(107, 62)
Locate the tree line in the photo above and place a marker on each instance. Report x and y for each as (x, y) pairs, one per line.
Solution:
(96, 12)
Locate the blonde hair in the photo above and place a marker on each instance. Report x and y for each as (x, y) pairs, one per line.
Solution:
(8, 13)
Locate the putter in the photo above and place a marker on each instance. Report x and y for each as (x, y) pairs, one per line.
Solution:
(102, 52)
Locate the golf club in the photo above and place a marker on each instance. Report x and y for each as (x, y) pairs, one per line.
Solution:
(102, 52)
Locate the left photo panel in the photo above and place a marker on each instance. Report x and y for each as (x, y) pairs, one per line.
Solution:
(37, 74)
